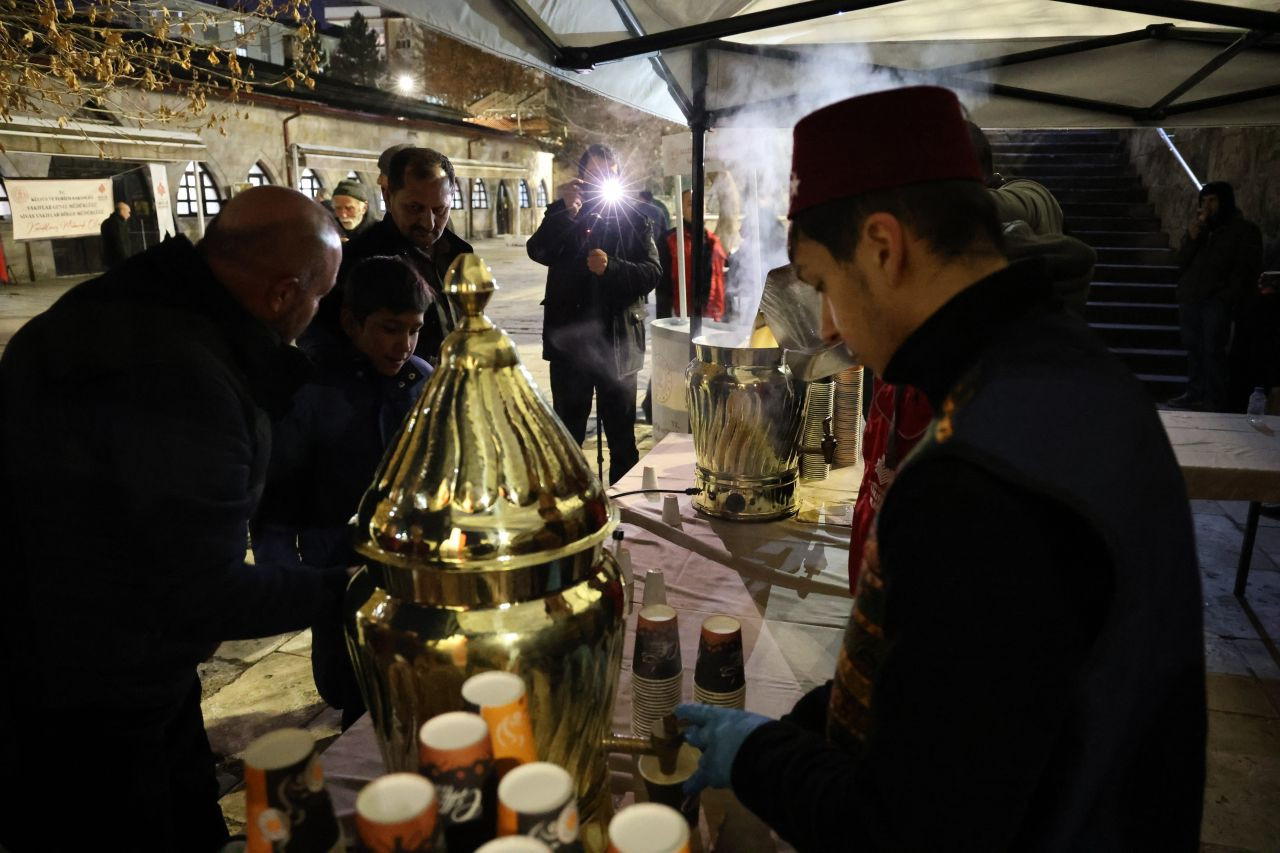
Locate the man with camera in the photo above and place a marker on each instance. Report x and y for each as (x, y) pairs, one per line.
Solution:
(602, 262)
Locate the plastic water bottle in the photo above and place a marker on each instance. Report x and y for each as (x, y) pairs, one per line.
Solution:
(1257, 402)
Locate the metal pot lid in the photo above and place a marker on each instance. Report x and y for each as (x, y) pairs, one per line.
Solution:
(482, 476)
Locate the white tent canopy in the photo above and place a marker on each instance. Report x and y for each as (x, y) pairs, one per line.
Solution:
(1138, 55)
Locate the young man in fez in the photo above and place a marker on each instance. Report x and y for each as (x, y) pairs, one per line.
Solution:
(1023, 668)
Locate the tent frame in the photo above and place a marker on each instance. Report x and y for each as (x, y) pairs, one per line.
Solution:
(1259, 27)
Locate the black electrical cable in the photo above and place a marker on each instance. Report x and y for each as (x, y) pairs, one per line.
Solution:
(692, 490)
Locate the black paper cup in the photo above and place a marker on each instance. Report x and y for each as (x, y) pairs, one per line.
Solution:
(657, 649)
(719, 667)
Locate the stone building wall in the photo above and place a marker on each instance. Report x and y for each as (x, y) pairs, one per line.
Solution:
(260, 139)
(1246, 157)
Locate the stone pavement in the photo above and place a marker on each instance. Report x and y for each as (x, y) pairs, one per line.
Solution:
(251, 687)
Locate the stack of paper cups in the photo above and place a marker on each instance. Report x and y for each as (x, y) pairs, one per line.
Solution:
(719, 677)
(817, 408)
(656, 671)
(847, 417)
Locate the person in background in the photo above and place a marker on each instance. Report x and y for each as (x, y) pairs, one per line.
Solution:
(657, 212)
(704, 291)
(135, 417)
(602, 262)
(419, 197)
(1220, 258)
(1007, 681)
(330, 443)
(116, 245)
(351, 209)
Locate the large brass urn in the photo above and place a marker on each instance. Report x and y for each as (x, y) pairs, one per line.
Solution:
(483, 530)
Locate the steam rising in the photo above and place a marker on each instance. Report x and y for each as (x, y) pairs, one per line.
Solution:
(750, 148)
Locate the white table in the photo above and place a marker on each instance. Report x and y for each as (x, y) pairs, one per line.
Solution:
(1228, 457)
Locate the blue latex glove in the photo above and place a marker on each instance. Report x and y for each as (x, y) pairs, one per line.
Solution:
(719, 733)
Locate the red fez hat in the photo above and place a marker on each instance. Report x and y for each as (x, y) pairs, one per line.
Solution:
(879, 141)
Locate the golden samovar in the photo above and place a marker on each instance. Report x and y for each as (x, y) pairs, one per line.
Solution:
(483, 530)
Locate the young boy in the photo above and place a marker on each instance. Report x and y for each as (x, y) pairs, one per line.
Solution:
(325, 450)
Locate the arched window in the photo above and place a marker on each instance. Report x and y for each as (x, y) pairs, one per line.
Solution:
(479, 195)
(542, 193)
(258, 176)
(457, 196)
(196, 175)
(524, 193)
(353, 175)
(5, 211)
(309, 182)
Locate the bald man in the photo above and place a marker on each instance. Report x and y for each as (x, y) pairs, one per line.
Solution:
(135, 441)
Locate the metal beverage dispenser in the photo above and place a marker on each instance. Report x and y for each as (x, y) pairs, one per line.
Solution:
(483, 529)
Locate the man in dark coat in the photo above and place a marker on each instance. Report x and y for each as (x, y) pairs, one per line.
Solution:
(602, 263)
(351, 209)
(419, 196)
(1023, 667)
(116, 246)
(135, 442)
(1220, 259)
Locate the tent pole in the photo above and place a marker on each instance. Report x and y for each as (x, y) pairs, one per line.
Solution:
(683, 274)
(699, 128)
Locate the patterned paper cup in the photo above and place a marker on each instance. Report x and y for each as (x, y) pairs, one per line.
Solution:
(500, 698)
(515, 844)
(648, 828)
(287, 806)
(657, 649)
(736, 699)
(538, 800)
(668, 788)
(454, 752)
(719, 667)
(397, 813)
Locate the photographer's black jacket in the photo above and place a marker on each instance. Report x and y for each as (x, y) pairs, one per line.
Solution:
(595, 322)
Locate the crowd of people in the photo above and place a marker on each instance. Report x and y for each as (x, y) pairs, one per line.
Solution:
(1023, 666)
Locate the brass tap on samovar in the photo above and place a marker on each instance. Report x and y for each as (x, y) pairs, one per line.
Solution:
(483, 529)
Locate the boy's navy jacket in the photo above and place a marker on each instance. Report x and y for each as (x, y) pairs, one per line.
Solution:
(327, 448)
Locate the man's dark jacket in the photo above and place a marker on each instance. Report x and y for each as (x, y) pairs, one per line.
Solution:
(135, 444)
(116, 246)
(1222, 263)
(595, 322)
(384, 238)
(1035, 645)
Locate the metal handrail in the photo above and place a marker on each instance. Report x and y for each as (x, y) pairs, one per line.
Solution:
(1173, 149)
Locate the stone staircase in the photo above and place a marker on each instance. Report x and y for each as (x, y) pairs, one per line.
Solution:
(1132, 303)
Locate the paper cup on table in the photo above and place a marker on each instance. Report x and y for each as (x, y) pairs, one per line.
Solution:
(515, 844)
(499, 696)
(280, 761)
(655, 587)
(538, 800)
(648, 828)
(671, 510)
(397, 813)
(657, 649)
(650, 482)
(668, 788)
(455, 753)
(719, 673)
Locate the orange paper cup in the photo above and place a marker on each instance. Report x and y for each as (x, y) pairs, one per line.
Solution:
(454, 752)
(538, 800)
(500, 698)
(397, 813)
(648, 828)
